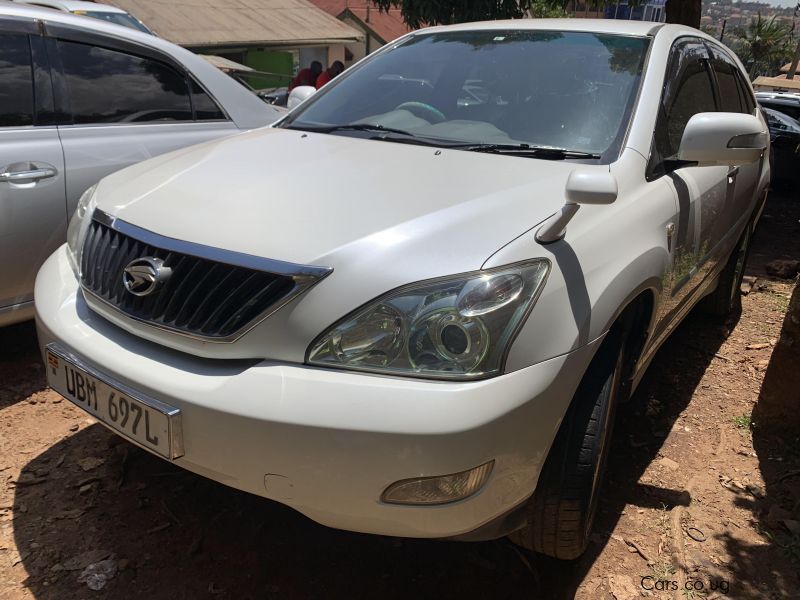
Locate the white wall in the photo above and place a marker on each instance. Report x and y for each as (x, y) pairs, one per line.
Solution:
(307, 55)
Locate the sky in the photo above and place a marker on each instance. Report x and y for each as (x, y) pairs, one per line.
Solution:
(784, 3)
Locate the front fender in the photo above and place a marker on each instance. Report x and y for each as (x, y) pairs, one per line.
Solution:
(610, 255)
(578, 305)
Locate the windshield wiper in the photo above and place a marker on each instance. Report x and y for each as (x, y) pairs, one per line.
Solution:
(384, 134)
(350, 127)
(545, 152)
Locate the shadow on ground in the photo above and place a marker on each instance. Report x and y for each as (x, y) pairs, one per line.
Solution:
(776, 427)
(206, 540)
(21, 373)
(641, 429)
(176, 535)
(775, 509)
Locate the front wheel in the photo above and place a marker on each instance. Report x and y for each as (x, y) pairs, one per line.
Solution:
(562, 509)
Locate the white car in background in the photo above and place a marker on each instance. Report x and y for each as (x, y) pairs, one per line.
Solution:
(95, 10)
(404, 313)
(79, 99)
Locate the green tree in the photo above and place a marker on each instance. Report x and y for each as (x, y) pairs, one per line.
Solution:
(763, 45)
(542, 9)
(419, 13)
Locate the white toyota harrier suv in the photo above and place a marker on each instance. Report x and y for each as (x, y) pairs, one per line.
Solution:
(410, 307)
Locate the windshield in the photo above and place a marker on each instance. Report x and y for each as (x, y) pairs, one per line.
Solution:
(117, 18)
(778, 120)
(555, 89)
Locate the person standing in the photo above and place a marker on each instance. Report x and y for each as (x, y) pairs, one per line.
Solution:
(307, 76)
(335, 69)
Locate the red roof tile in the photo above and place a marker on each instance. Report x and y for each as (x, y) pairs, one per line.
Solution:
(385, 25)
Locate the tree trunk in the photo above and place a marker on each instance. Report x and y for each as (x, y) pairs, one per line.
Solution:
(684, 12)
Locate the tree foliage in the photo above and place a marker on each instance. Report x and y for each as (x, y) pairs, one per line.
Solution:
(764, 45)
(542, 9)
(419, 13)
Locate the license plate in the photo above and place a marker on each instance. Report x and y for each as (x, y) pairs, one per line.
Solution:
(145, 421)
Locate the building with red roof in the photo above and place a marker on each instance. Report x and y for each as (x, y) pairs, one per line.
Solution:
(379, 27)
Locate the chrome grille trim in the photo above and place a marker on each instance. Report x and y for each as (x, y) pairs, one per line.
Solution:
(259, 283)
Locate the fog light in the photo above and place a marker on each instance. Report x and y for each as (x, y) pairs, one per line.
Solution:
(438, 490)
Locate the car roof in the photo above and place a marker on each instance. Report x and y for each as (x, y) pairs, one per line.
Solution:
(613, 26)
(73, 5)
(23, 10)
(779, 97)
(779, 101)
(245, 109)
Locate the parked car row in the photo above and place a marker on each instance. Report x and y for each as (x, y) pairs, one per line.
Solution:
(411, 305)
(781, 111)
(786, 103)
(79, 99)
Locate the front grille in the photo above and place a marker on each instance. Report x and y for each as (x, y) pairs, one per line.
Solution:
(203, 297)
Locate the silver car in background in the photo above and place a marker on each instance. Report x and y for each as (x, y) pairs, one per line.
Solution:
(105, 12)
(79, 99)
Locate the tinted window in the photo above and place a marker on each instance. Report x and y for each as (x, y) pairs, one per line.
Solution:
(16, 81)
(43, 87)
(747, 96)
(571, 90)
(205, 109)
(106, 86)
(779, 121)
(731, 83)
(788, 109)
(687, 91)
(730, 99)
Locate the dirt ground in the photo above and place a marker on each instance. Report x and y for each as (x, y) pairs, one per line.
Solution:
(699, 501)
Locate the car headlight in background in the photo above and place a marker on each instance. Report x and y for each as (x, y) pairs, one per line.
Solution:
(457, 327)
(77, 228)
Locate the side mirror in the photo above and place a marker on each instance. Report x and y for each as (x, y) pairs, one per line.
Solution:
(595, 185)
(300, 94)
(714, 139)
(591, 186)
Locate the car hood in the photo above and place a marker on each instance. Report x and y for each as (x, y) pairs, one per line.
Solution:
(322, 199)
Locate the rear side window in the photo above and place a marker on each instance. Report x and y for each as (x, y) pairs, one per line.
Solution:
(688, 90)
(16, 81)
(205, 108)
(107, 86)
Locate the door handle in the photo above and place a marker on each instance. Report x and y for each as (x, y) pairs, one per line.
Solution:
(670, 233)
(31, 172)
(733, 171)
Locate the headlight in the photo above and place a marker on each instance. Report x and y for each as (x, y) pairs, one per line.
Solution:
(457, 327)
(77, 228)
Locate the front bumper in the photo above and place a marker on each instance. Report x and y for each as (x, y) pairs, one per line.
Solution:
(326, 442)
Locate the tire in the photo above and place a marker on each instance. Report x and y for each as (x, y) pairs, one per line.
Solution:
(561, 511)
(726, 301)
